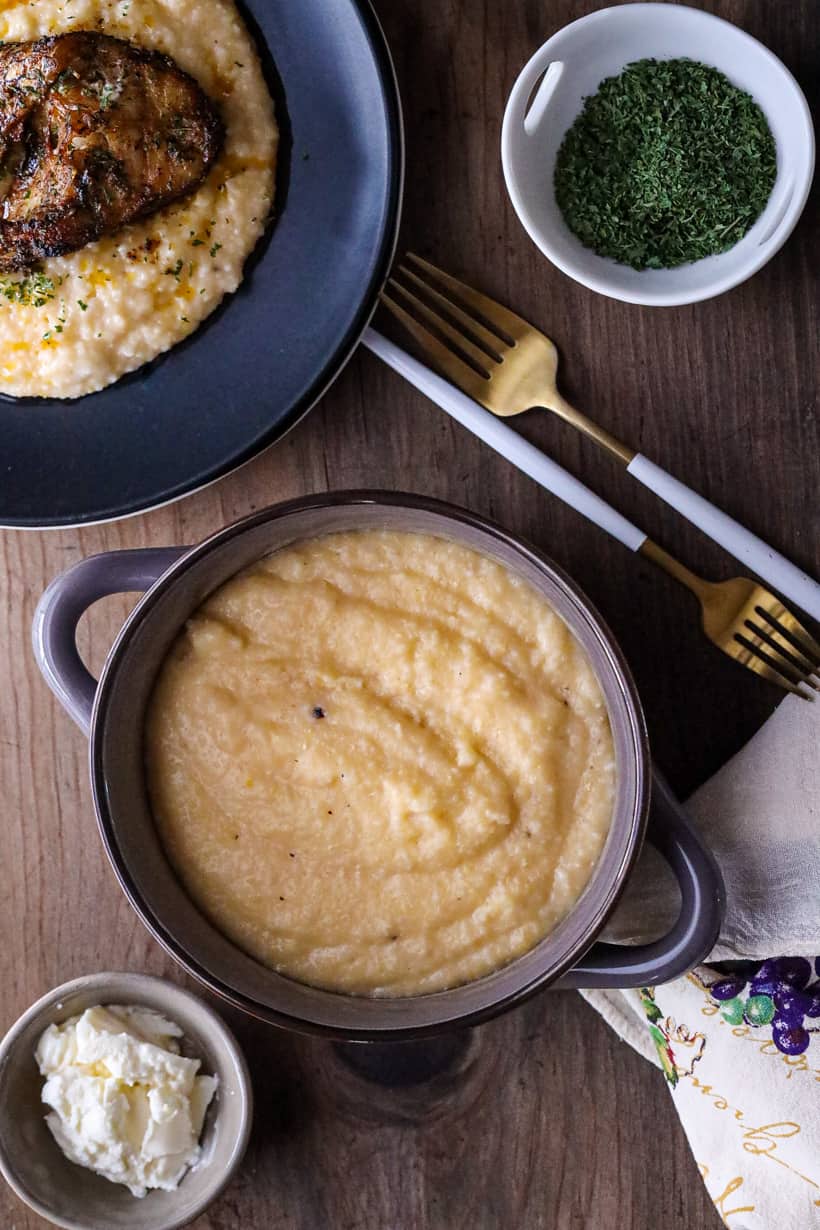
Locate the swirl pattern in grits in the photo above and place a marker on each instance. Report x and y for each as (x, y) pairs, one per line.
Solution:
(381, 763)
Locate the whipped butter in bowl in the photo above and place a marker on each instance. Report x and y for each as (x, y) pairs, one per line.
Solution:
(124, 1101)
(125, 1104)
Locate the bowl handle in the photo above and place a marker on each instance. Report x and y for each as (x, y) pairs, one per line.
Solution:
(529, 98)
(54, 630)
(693, 935)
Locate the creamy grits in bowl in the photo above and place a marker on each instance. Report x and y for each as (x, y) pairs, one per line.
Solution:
(371, 767)
(77, 322)
(380, 763)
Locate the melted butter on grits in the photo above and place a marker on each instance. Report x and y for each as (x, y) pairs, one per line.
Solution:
(380, 763)
(120, 302)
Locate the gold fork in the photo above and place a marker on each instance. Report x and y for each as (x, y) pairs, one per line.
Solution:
(506, 365)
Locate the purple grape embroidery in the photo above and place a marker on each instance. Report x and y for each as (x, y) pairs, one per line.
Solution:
(780, 996)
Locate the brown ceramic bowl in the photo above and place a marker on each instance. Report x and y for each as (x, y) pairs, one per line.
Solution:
(112, 712)
(68, 1195)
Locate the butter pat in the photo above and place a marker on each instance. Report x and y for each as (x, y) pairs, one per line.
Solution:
(124, 1102)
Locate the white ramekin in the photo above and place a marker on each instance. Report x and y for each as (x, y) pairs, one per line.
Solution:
(570, 66)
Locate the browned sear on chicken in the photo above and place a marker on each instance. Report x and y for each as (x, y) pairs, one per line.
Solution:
(94, 132)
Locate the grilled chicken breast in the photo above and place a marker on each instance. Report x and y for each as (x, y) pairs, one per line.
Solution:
(94, 132)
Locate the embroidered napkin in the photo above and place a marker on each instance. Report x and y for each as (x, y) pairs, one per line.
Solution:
(738, 1040)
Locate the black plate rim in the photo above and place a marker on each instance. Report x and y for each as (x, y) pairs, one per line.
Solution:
(338, 360)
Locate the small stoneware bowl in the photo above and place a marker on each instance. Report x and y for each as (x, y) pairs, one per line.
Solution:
(549, 94)
(68, 1195)
(112, 712)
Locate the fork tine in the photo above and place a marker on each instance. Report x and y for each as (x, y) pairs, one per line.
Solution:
(791, 627)
(776, 671)
(511, 328)
(468, 349)
(487, 340)
(454, 368)
(783, 647)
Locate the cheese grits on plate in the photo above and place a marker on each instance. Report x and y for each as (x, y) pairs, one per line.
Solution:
(138, 145)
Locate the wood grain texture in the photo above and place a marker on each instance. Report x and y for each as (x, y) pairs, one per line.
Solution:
(542, 1118)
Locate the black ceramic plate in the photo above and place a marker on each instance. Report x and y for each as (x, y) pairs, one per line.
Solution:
(262, 360)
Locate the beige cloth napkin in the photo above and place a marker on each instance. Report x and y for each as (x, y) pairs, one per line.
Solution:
(740, 1049)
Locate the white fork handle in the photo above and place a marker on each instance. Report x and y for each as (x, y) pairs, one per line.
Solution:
(752, 551)
(505, 441)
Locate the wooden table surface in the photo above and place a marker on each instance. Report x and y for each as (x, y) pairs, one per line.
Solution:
(542, 1118)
